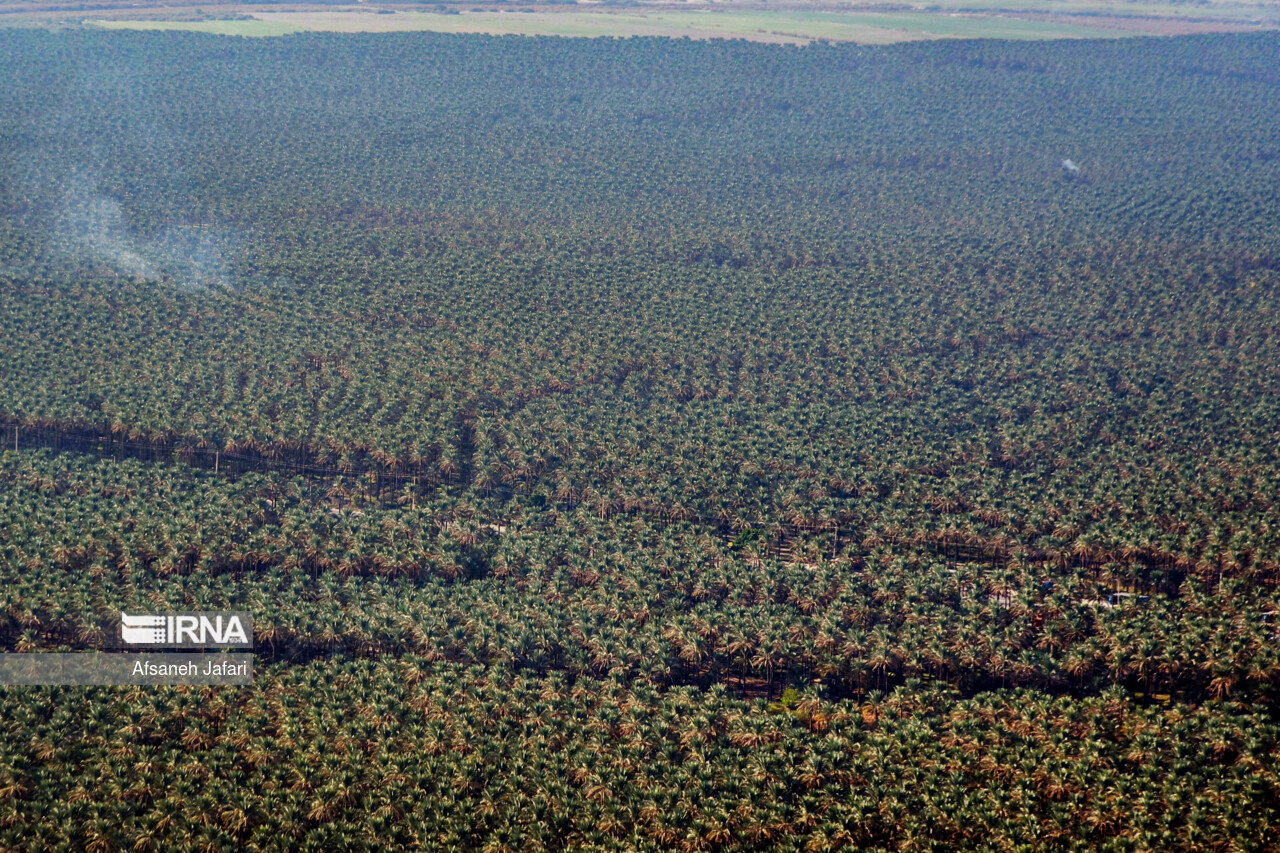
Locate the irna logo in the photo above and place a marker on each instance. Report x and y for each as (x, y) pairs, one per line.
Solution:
(187, 630)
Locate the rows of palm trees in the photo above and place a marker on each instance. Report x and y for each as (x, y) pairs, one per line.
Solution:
(397, 753)
(803, 341)
(1067, 435)
(785, 452)
(545, 590)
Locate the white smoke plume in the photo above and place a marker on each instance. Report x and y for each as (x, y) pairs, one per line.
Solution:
(93, 225)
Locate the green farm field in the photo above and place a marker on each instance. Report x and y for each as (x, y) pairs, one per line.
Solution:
(799, 26)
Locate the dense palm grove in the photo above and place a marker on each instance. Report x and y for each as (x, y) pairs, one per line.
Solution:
(645, 444)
